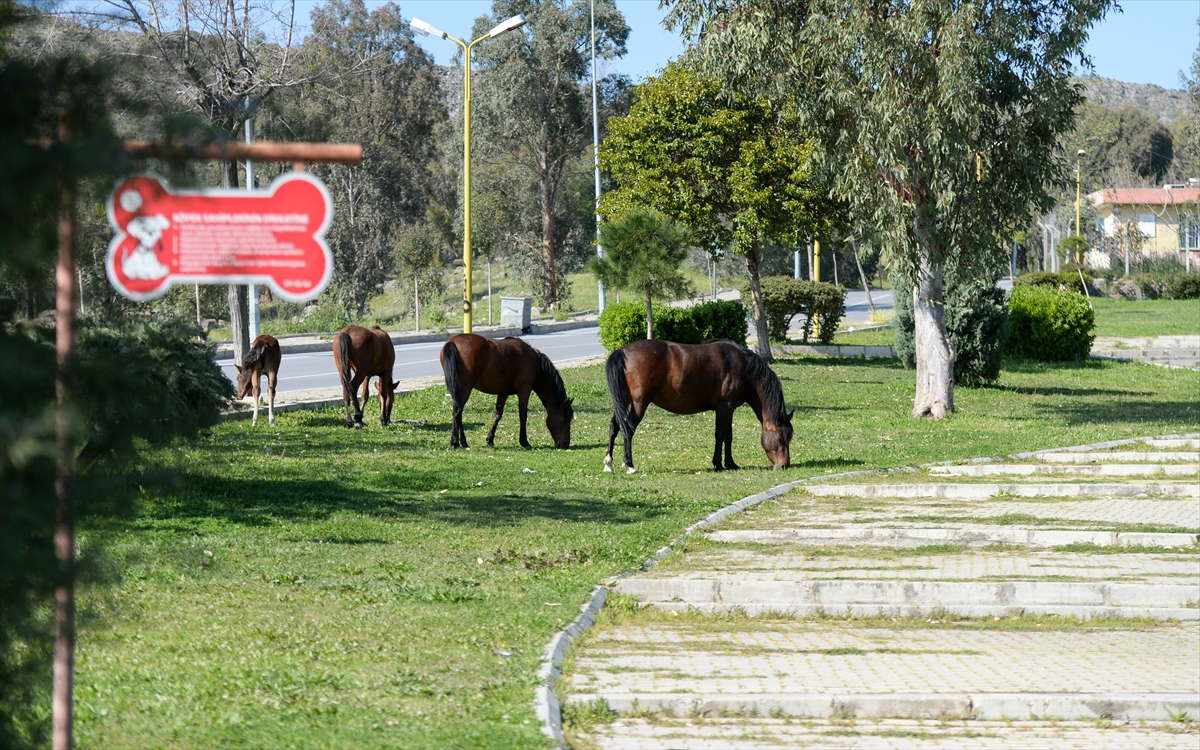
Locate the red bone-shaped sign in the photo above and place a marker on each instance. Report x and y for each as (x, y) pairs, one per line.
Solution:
(274, 236)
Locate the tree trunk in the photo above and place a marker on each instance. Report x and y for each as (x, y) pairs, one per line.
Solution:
(549, 281)
(63, 680)
(239, 295)
(760, 317)
(649, 317)
(935, 353)
(863, 276)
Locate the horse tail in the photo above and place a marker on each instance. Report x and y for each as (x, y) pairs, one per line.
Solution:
(622, 400)
(343, 350)
(452, 365)
(256, 353)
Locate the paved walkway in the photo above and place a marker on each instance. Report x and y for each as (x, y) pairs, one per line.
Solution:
(1172, 351)
(925, 609)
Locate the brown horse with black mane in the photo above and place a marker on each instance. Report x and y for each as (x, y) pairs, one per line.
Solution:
(262, 359)
(715, 376)
(508, 367)
(369, 353)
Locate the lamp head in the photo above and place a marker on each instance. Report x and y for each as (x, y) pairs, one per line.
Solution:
(426, 29)
(1081, 152)
(508, 24)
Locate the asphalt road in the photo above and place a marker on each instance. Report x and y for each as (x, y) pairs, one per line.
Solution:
(300, 372)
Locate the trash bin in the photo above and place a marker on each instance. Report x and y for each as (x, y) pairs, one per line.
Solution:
(515, 312)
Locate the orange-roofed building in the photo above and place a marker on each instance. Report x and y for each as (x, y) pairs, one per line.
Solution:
(1166, 217)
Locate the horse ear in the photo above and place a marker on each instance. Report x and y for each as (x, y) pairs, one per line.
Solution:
(569, 401)
(238, 368)
(790, 413)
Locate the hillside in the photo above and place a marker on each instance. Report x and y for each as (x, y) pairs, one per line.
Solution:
(1164, 105)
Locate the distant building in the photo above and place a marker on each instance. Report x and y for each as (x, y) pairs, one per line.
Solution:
(1166, 218)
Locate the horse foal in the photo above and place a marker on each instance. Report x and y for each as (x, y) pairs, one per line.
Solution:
(263, 358)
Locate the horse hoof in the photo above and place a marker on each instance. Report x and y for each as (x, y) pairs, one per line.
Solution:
(630, 470)
(608, 464)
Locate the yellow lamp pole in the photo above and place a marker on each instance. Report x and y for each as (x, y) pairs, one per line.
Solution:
(426, 29)
(816, 269)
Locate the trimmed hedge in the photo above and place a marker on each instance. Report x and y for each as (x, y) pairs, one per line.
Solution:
(1065, 281)
(784, 298)
(977, 322)
(624, 322)
(1050, 325)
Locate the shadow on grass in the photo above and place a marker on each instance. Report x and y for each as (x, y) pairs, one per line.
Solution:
(260, 502)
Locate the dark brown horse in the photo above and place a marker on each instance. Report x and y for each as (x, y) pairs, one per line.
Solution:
(508, 367)
(715, 376)
(369, 353)
(262, 359)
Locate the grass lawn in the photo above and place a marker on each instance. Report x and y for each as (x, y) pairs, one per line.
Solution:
(310, 585)
(874, 337)
(1158, 317)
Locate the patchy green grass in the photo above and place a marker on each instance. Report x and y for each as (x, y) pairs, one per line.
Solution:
(1158, 317)
(312, 585)
(874, 337)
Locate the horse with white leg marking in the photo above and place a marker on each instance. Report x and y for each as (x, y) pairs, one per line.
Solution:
(262, 359)
(715, 376)
(359, 355)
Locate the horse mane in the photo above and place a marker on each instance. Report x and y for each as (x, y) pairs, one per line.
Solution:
(550, 376)
(769, 387)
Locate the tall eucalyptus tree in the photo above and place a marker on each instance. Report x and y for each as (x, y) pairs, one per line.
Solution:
(939, 119)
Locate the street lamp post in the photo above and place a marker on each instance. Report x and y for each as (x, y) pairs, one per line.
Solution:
(426, 29)
(1078, 198)
(596, 156)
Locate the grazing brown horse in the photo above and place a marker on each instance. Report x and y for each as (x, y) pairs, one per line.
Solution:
(508, 367)
(369, 353)
(715, 376)
(263, 358)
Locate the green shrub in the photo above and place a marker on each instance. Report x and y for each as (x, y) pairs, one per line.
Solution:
(1182, 286)
(1073, 244)
(621, 323)
(978, 324)
(1050, 325)
(721, 319)
(784, 298)
(624, 322)
(1066, 281)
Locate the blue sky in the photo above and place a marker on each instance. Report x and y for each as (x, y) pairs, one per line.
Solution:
(1150, 41)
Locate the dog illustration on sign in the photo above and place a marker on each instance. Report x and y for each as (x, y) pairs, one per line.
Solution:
(142, 261)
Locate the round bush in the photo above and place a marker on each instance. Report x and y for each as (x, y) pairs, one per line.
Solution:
(1050, 325)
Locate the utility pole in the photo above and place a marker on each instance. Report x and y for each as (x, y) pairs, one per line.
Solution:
(255, 329)
(596, 154)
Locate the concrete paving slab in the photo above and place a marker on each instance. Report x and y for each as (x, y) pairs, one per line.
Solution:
(1084, 599)
(987, 490)
(971, 535)
(1106, 470)
(1119, 456)
(764, 733)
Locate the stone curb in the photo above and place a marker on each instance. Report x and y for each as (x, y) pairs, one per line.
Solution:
(985, 706)
(545, 701)
(224, 351)
(915, 537)
(546, 705)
